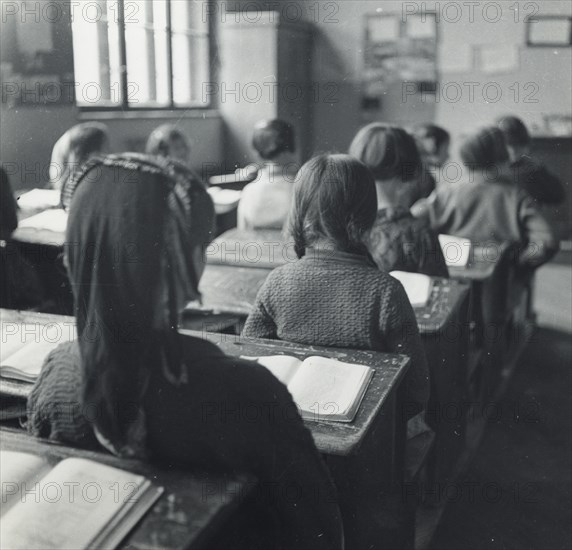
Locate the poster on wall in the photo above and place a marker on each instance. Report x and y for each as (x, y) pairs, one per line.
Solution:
(398, 50)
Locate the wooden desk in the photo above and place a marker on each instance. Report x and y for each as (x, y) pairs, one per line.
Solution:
(231, 289)
(194, 510)
(336, 438)
(483, 261)
(262, 249)
(444, 328)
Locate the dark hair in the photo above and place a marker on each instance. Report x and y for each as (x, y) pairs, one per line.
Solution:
(272, 137)
(439, 136)
(514, 131)
(388, 151)
(335, 200)
(158, 142)
(484, 148)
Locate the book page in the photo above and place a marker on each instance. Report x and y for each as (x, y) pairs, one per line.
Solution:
(325, 387)
(284, 367)
(27, 362)
(26, 346)
(455, 249)
(54, 220)
(15, 469)
(417, 286)
(14, 337)
(39, 199)
(77, 492)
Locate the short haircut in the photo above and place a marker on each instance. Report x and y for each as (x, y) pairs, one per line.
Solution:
(514, 131)
(272, 137)
(334, 201)
(74, 148)
(158, 143)
(388, 151)
(435, 133)
(484, 148)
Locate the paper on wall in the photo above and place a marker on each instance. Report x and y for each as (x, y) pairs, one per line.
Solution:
(499, 58)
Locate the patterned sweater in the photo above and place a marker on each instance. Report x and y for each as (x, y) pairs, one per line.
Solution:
(342, 300)
(398, 241)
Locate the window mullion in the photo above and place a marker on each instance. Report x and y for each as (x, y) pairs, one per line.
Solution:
(123, 53)
(170, 85)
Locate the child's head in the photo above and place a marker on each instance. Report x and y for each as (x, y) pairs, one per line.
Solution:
(76, 147)
(388, 151)
(433, 143)
(272, 138)
(168, 141)
(334, 202)
(515, 134)
(484, 149)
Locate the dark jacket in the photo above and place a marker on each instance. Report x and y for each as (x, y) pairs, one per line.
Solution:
(8, 208)
(537, 181)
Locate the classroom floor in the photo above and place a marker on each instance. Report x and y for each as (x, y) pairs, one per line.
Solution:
(517, 492)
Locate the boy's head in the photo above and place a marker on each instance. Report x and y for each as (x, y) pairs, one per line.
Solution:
(388, 151)
(334, 202)
(76, 147)
(433, 143)
(168, 141)
(484, 149)
(516, 136)
(272, 138)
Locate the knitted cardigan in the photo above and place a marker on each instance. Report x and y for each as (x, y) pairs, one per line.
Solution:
(342, 300)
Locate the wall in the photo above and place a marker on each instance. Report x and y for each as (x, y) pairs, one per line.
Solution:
(338, 60)
(29, 130)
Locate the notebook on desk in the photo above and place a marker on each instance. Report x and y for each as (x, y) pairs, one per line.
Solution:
(54, 220)
(39, 199)
(80, 503)
(417, 286)
(322, 388)
(456, 250)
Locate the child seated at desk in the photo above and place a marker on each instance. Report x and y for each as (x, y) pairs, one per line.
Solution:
(74, 149)
(486, 207)
(334, 295)
(20, 286)
(531, 176)
(265, 202)
(397, 241)
(433, 144)
(135, 386)
(170, 144)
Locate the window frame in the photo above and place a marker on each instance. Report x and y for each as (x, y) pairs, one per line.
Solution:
(125, 106)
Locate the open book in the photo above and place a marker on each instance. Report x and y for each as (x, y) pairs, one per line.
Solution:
(322, 388)
(24, 347)
(455, 249)
(417, 286)
(39, 199)
(54, 220)
(77, 504)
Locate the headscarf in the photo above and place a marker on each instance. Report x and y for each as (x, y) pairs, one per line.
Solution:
(130, 264)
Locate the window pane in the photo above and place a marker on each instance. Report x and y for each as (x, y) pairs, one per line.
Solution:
(181, 69)
(199, 67)
(147, 58)
(179, 15)
(96, 57)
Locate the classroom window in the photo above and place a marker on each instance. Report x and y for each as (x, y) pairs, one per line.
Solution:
(150, 54)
